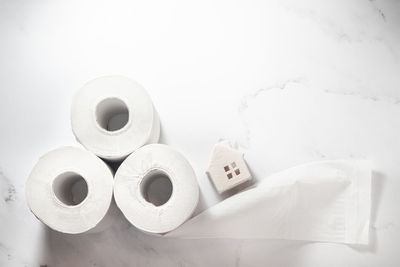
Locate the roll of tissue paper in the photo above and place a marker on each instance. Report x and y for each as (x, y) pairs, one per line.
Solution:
(112, 116)
(70, 190)
(156, 189)
(328, 201)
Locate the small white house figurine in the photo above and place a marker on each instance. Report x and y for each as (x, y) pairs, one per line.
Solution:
(227, 168)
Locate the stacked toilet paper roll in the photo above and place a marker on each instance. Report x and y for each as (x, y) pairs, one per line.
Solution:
(156, 189)
(112, 116)
(71, 189)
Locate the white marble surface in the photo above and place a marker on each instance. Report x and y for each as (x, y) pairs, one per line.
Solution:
(288, 81)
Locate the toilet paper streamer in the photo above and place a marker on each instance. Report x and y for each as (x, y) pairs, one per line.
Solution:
(53, 181)
(323, 201)
(103, 104)
(138, 171)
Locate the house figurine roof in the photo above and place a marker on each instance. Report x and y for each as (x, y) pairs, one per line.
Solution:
(227, 168)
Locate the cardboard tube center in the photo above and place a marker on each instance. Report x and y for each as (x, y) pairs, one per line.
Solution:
(156, 187)
(70, 188)
(112, 114)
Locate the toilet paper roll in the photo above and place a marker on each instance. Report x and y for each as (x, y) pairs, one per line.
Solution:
(156, 189)
(70, 190)
(112, 116)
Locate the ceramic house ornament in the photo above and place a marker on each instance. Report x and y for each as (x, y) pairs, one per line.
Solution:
(227, 168)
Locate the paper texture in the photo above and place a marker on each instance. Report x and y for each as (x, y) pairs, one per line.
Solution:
(52, 191)
(324, 201)
(142, 170)
(112, 116)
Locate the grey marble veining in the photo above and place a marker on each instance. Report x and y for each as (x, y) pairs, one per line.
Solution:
(287, 81)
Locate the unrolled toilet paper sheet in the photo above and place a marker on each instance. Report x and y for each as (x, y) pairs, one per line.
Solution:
(323, 201)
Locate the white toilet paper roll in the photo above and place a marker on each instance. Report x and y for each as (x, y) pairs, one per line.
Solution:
(156, 188)
(70, 190)
(112, 116)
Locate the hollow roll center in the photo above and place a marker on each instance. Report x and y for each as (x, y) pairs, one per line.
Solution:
(112, 114)
(70, 188)
(156, 187)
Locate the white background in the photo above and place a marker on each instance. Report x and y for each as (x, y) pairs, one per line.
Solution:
(287, 81)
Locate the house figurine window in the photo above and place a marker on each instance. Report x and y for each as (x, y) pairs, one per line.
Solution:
(232, 170)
